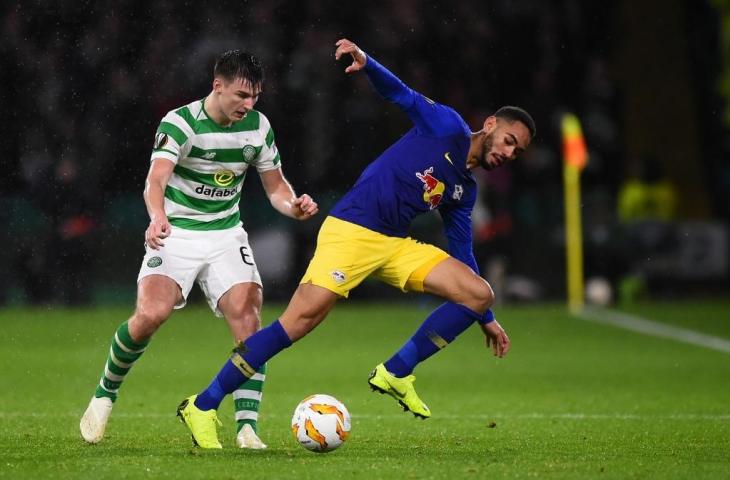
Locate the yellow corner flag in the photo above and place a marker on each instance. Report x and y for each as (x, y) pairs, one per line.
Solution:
(575, 156)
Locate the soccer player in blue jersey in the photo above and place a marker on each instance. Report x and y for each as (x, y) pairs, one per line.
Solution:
(366, 234)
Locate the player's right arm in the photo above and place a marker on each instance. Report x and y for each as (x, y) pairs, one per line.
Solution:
(154, 198)
(171, 144)
(430, 117)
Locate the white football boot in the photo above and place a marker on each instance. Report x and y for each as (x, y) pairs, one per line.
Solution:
(247, 438)
(93, 423)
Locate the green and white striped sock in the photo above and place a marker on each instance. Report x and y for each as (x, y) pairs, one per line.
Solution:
(247, 399)
(123, 353)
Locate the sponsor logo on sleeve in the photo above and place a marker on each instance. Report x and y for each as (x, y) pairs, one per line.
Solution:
(160, 140)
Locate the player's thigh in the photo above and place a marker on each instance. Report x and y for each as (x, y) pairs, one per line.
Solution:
(453, 280)
(241, 307)
(346, 254)
(409, 263)
(230, 263)
(179, 260)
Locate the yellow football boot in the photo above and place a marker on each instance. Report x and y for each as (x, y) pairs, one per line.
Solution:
(202, 424)
(401, 389)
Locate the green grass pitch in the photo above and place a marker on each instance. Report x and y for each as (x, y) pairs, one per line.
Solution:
(573, 399)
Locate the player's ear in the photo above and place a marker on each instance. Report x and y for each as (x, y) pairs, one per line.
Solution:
(217, 84)
(490, 123)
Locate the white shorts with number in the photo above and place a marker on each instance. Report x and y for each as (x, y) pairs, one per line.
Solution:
(217, 259)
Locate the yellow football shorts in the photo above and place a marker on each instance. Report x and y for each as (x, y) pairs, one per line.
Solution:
(347, 254)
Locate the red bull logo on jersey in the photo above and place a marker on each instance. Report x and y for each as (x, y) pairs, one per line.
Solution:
(433, 189)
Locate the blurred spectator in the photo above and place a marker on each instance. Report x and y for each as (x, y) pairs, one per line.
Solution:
(86, 84)
(69, 203)
(646, 195)
(646, 207)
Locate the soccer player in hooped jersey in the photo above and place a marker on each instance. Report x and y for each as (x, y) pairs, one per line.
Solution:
(200, 157)
(366, 234)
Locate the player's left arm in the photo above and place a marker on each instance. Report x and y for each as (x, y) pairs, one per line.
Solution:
(282, 196)
(430, 117)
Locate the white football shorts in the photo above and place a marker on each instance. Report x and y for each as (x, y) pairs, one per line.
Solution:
(217, 259)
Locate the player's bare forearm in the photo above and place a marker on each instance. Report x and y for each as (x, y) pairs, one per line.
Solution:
(284, 200)
(300, 208)
(154, 198)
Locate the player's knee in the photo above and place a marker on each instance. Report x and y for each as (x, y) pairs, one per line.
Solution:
(151, 314)
(244, 325)
(482, 297)
(243, 314)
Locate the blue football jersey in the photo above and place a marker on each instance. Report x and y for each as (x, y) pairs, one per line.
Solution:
(423, 171)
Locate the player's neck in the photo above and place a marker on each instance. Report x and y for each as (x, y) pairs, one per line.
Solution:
(475, 146)
(212, 109)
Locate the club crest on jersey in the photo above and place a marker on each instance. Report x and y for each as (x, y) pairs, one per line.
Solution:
(224, 178)
(160, 140)
(458, 192)
(249, 152)
(433, 188)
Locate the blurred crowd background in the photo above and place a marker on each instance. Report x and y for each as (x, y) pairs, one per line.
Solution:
(86, 83)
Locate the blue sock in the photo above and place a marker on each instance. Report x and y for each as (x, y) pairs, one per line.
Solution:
(246, 360)
(438, 330)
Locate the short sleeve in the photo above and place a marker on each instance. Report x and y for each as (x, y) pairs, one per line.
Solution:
(268, 158)
(172, 138)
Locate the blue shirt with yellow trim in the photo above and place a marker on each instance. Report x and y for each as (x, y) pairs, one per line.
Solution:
(423, 171)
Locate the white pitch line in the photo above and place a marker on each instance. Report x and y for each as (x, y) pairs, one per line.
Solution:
(516, 416)
(655, 329)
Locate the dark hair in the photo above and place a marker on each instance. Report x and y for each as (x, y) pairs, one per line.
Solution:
(237, 64)
(516, 114)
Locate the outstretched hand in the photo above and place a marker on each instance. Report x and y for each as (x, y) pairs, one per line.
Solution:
(359, 59)
(496, 338)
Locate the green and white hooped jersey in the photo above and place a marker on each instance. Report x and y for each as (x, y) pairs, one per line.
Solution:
(210, 164)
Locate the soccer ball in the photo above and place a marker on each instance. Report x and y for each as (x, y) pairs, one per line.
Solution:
(599, 291)
(320, 423)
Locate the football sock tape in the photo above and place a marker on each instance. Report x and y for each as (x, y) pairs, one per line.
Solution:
(244, 363)
(439, 329)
